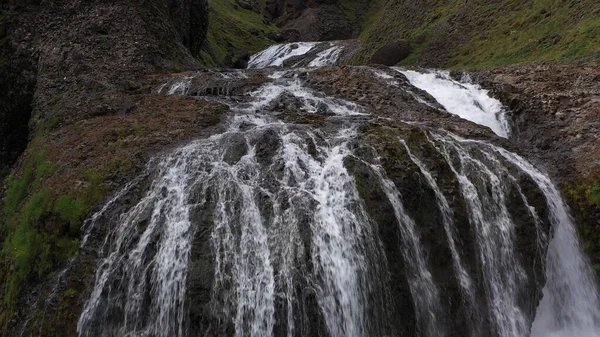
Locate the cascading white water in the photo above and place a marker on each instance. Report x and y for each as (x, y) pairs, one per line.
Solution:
(290, 233)
(328, 57)
(495, 231)
(311, 54)
(570, 305)
(318, 188)
(276, 55)
(467, 100)
(152, 300)
(423, 289)
(465, 280)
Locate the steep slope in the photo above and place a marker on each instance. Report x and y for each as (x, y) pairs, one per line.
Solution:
(240, 27)
(234, 32)
(71, 95)
(442, 34)
(483, 33)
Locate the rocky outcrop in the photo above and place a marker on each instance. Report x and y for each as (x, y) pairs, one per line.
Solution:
(555, 111)
(77, 71)
(317, 20)
(190, 19)
(75, 53)
(391, 53)
(17, 82)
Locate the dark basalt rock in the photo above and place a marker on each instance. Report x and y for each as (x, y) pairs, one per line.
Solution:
(73, 61)
(391, 53)
(17, 83)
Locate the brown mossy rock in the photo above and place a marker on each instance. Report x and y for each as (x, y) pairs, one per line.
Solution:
(391, 53)
(115, 149)
(78, 55)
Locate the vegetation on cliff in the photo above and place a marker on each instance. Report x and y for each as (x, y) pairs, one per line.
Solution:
(456, 33)
(484, 33)
(585, 203)
(233, 30)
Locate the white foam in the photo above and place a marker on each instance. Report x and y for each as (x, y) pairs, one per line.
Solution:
(276, 55)
(466, 100)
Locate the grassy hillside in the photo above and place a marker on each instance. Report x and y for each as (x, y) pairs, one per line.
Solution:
(233, 29)
(485, 33)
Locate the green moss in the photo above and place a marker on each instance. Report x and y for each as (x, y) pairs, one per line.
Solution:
(593, 195)
(229, 33)
(26, 244)
(96, 186)
(45, 126)
(40, 229)
(16, 192)
(584, 201)
(71, 210)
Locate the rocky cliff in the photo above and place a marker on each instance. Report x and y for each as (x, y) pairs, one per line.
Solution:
(554, 109)
(72, 73)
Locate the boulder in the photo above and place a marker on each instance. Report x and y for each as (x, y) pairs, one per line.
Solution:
(392, 53)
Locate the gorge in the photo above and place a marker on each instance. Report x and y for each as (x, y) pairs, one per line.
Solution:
(302, 196)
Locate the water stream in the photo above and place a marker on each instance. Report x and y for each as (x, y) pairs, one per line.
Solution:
(291, 247)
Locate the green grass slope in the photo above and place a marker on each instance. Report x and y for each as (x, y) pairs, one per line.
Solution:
(485, 33)
(231, 30)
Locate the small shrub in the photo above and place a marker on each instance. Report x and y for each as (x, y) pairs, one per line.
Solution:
(593, 195)
(71, 210)
(17, 190)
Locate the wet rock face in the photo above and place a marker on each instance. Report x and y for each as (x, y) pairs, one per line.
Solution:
(190, 19)
(417, 196)
(100, 49)
(17, 82)
(396, 111)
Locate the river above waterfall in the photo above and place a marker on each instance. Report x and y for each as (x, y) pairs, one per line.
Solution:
(341, 202)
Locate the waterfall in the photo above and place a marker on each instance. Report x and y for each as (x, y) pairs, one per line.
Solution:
(467, 100)
(465, 280)
(423, 289)
(310, 54)
(148, 261)
(266, 229)
(570, 305)
(275, 56)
